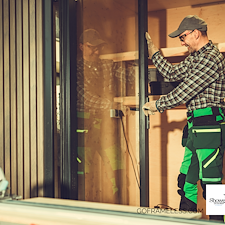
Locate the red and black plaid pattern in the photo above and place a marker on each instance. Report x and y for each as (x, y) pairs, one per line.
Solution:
(202, 76)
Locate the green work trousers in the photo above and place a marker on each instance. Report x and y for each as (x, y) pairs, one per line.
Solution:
(204, 144)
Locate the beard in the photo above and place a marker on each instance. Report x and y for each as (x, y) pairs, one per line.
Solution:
(190, 49)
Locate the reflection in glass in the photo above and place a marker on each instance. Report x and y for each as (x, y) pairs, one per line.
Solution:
(107, 128)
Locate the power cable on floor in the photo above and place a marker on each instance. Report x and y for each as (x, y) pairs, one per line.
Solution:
(129, 150)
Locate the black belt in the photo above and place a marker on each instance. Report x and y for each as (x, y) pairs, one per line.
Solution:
(215, 111)
(205, 120)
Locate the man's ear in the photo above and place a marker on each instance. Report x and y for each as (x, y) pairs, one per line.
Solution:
(197, 34)
(81, 47)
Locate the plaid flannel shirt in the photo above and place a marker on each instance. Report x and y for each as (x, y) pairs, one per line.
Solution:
(96, 83)
(202, 76)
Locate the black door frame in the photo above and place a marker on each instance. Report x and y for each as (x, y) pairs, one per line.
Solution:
(68, 174)
(143, 94)
(68, 125)
(48, 185)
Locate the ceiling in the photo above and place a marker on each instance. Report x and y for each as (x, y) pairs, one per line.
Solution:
(154, 5)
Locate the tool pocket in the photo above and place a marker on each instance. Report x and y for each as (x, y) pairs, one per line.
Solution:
(212, 167)
(206, 137)
(223, 133)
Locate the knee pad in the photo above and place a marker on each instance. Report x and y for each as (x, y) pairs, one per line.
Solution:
(187, 205)
(181, 180)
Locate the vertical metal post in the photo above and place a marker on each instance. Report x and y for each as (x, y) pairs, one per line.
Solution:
(143, 93)
(48, 101)
(73, 98)
(64, 113)
(68, 42)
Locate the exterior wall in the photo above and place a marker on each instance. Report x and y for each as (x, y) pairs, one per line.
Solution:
(21, 96)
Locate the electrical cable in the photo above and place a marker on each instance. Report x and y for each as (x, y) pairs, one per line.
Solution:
(166, 207)
(129, 151)
(157, 206)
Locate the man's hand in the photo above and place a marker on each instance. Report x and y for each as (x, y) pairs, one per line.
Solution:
(149, 108)
(151, 47)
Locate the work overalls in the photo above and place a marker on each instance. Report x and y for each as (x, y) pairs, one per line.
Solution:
(204, 142)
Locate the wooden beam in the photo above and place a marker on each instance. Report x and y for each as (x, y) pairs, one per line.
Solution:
(123, 56)
(132, 101)
(167, 52)
(170, 52)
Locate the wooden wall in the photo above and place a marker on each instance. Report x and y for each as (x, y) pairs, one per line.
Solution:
(115, 20)
(21, 96)
(163, 22)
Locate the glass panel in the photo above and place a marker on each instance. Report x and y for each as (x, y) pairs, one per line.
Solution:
(107, 104)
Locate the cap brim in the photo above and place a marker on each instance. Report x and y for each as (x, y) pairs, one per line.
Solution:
(176, 33)
(98, 42)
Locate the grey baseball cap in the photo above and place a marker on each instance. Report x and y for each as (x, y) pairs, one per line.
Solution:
(92, 36)
(190, 22)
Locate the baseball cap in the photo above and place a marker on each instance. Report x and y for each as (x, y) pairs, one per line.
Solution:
(92, 36)
(190, 22)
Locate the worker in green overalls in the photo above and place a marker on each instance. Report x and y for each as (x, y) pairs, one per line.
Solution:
(202, 89)
(204, 142)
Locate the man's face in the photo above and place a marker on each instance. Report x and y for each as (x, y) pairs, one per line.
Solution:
(188, 40)
(90, 52)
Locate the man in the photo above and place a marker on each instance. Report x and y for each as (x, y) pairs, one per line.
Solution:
(98, 82)
(94, 72)
(89, 73)
(202, 89)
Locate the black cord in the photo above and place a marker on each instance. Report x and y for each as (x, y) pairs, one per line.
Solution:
(166, 207)
(129, 151)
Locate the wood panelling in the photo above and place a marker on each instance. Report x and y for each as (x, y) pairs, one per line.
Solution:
(13, 96)
(26, 98)
(1, 91)
(40, 103)
(21, 96)
(33, 96)
(162, 4)
(19, 73)
(171, 18)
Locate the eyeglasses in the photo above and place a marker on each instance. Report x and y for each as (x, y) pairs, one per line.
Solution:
(184, 35)
(95, 48)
